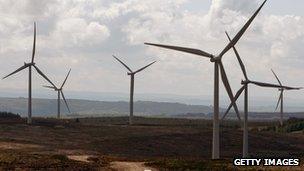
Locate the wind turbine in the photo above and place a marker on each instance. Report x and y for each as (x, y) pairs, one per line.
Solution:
(244, 88)
(132, 74)
(29, 66)
(281, 97)
(60, 91)
(218, 65)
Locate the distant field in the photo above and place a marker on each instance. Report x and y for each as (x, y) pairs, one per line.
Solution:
(169, 143)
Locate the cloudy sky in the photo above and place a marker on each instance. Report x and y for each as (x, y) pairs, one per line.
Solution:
(83, 34)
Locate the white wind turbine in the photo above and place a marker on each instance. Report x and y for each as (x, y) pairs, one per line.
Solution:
(132, 74)
(60, 91)
(29, 66)
(244, 88)
(281, 97)
(218, 65)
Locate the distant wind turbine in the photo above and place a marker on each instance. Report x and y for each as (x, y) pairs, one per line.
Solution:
(29, 66)
(60, 91)
(132, 74)
(217, 60)
(244, 88)
(281, 97)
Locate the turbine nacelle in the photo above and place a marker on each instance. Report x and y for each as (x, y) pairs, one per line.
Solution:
(244, 82)
(215, 58)
(57, 89)
(128, 68)
(29, 64)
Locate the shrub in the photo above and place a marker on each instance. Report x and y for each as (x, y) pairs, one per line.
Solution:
(9, 115)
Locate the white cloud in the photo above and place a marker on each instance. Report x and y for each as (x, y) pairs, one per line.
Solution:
(77, 32)
(81, 33)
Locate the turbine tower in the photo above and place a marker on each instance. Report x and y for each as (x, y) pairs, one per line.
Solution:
(244, 88)
(29, 66)
(132, 74)
(218, 65)
(60, 91)
(281, 97)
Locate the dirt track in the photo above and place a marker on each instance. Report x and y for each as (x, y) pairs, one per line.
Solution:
(117, 165)
(130, 166)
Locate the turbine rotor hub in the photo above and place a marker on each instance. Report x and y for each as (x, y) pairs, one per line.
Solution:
(31, 63)
(243, 82)
(215, 59)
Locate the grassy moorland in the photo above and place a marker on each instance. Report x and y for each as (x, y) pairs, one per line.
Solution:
(171, 144)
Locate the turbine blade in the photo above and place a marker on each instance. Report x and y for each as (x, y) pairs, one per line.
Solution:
(228, 89)
(270, 85)
(294, 88)
(276, 77)
(267, 85)
(65, 101)
(65, 79)
(122, 63)
(144, 67)
(241, 32)
(50, 87)
(183, 49)
(287, 88)
(279, 101)
(238, 58)
(237, 95)
(19, 69)
(34, 44)
(44, 76)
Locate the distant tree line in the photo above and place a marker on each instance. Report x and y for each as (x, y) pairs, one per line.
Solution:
(294, 124)
(9, 115)
(291, 125)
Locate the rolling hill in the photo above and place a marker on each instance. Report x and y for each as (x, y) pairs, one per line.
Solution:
(48, 107)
